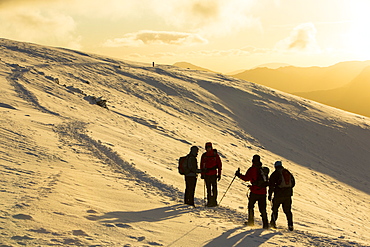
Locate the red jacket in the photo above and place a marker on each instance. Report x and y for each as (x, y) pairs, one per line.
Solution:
(251, 175)
(210, 163)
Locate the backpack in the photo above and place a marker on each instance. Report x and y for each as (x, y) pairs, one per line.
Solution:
(183, 165)
(262, 177)
(285, 180)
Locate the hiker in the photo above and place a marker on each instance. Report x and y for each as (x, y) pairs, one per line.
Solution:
(211, 167)
(281, 185)
(257, 193)
(191, 175)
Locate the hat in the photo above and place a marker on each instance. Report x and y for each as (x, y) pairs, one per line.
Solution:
(278, 163)
(256, 158)
(208, 145)
(194, 150)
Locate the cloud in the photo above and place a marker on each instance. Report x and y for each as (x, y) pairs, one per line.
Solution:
(34, 25)
(207, 17)
(12, 3)
(247, 51)
(302, 38)
(147, 37)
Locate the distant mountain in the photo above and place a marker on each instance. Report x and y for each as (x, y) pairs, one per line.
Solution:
(186, 65)
(272, 65)
(235, 72)
(298, 79)
(353, 97)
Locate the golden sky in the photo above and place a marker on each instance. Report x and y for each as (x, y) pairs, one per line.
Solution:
(221, 35)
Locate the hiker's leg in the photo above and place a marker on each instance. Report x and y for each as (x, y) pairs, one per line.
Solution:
(262, 208)
(287, 208)
(251, 201)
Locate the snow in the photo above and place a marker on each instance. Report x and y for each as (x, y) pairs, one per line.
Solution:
(77, 174)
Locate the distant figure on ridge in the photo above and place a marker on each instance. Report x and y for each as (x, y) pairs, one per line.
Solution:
(281, 185)
(211, 166)
(258, 190)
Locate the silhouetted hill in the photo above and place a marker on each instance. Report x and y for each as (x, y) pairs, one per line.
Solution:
(186, 65)
(272, 65)
(297, 79)
(353, 97)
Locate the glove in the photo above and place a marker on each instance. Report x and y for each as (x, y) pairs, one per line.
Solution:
(237, 173)
(269, 198)
(218, 177)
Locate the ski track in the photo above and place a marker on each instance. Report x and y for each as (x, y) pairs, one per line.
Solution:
(23, 92)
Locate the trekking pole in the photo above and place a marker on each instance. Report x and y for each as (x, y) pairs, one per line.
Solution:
(227, 190)
(204, 192)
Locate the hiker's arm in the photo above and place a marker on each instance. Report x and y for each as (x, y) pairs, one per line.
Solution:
(250, 175)
(272, 184)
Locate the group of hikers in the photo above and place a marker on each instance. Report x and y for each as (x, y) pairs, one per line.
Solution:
(280, 183)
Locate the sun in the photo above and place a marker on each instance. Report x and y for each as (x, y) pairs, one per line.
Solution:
(358, 36)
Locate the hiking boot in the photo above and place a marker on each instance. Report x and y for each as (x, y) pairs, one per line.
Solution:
(290, 228)
(265, 226)
(273, 224)
(249, 223)
(212, 203)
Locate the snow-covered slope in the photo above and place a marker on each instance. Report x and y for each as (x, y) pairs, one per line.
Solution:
(75, 173)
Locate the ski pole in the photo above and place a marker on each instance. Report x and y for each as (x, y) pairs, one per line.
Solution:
(227, 190)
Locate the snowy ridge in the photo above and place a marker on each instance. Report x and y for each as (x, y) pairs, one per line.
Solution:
(75, 173)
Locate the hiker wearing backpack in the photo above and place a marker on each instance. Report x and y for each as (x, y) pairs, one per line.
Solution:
(190, 172)
(211, 167)
(281, 185)
(257, 191)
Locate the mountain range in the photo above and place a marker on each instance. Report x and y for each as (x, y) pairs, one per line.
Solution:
(343, 85)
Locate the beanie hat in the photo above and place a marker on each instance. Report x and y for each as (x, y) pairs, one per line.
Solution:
(208, 145)
(278, 163)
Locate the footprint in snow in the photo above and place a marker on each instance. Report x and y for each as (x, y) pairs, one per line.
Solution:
(138, 238)
(79, 233)
(21, 238)
(22, 217)
(121, 225)
(155, 243)
(41, 230)
(91, 211)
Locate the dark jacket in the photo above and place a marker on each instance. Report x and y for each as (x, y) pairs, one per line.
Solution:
(252, 175)
(274, 181)
(192, 165)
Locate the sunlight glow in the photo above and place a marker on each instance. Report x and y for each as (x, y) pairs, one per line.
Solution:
(358, 38)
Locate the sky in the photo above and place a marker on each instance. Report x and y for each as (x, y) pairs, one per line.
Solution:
(221, 35)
